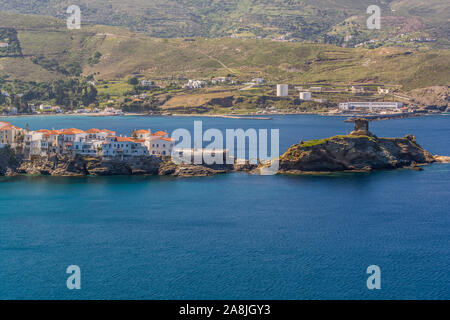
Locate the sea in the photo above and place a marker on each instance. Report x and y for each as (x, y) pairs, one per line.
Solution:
(231, 236)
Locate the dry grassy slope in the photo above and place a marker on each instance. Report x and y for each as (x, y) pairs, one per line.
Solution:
(275, 61)
(124, 53)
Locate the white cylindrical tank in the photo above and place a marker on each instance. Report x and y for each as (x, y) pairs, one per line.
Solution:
(282, 90)
(305, 96)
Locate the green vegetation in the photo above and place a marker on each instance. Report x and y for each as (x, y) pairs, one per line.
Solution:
(95, 58)
(68, 94)
(312, 143)
(8, 37)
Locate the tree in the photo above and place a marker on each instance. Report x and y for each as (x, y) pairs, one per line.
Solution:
(133, 81)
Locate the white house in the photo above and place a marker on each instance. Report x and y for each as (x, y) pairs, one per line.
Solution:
(142, 134)
(93, 147)
(282, 90)
(220, 80)
(161, 146)
(123, 146)
(382, 90)
(44, 107)
(98, 134)
(194, 84)
(258, 80)
(33, 142)
(9, 134)
(69, 136)
(305, 96)
(146, 83)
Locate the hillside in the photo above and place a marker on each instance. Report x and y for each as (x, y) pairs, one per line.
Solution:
(51, 52)
(298, 19)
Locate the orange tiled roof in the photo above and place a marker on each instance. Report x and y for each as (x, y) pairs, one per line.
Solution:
(166, 139)
(9, 127)
(108, 131)
(159, 133)
(139, 140)
(124, 139)
(54, 132)
(93, 130)
(71, 131)
(141, 131)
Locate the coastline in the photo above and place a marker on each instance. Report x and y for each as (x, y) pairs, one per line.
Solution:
(372, 117)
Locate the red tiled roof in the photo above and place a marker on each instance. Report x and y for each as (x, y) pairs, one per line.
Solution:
(141, 131)
(166, 139)
(93, 130)
(108, 131)
(159, 133)
(54, 132)
(124, 139)
(71, 131)
(9, 127)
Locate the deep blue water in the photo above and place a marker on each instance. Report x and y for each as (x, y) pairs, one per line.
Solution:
(233, 236)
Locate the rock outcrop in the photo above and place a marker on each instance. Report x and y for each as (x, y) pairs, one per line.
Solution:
(354, 153)
(58, 165)
(8, 162)
(359, 151)
(433, 98)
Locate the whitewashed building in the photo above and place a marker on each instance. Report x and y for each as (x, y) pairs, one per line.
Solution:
(306, 96)
(194, 84)
(282, 90)
(370, 106)
(123, 146)
(161, 146)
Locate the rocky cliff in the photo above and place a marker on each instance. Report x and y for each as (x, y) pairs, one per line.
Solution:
(359, 151)
(8, 162)
(354, 153)
(58, 165)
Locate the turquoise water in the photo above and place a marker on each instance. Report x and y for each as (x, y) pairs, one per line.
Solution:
(233, 236)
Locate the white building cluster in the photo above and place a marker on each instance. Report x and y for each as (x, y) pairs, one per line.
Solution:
(93, 142)
(194, 84)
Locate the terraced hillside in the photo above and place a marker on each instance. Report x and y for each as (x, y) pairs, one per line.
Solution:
(298, 19)
(50, 51)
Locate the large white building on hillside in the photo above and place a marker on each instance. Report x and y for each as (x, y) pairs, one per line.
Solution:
(282, 90)
(370, 106)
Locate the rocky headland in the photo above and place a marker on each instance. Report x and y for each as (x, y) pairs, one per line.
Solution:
(59, 165)
(358, 151)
